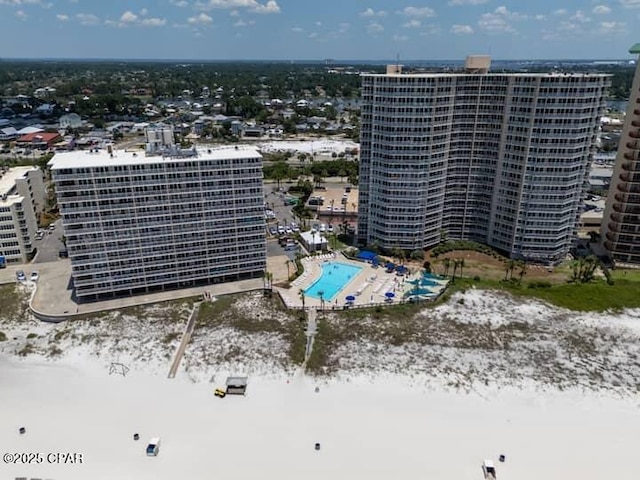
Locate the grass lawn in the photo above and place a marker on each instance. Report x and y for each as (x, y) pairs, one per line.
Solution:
(597, 296)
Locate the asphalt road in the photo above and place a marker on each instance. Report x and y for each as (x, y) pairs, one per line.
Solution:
(49, 247)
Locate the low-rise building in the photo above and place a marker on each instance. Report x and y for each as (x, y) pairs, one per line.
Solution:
(21, 198)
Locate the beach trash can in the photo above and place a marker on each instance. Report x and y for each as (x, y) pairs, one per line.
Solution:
(317, 446)
(502, 458)
(22, 430)
(136, 436)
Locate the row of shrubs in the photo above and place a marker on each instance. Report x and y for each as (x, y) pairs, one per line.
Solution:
(452, 246)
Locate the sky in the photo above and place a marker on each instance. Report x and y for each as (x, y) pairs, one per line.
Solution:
(318, 29)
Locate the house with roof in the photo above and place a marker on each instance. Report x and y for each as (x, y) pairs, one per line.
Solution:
(8, 133)
(40, 140)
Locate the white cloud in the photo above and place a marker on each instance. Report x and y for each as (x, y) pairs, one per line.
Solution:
(630, 3)
(313, 35)
(297, 29)
(16, 3)
(601, 10)
(271, 6)
(153, 22)
(495, 23)
(87, 19)
(202, 19)
(420, 12)
(343, 27)
(128, 17)
(413, 23)
(234, 13)
(179, 3)
(400, 38)
(144, 12)
(608, 28)
(375, 27)
(467, 2)
(241, 23)
(498, 20)
(21, 15)
(580, 17)
(461, 29)
(560, 11)
(370, 12)
(61, 17)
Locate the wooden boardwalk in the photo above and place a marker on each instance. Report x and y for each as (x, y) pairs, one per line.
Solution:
(186, 338)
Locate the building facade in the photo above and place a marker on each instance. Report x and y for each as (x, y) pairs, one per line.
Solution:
(172, 218)
(21, 199)
(501, 159)
(620, 233)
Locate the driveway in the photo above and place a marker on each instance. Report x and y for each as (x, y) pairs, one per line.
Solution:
(49, 247)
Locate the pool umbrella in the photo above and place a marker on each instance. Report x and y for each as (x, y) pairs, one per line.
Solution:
(401, 269)
(390, 265)
(389, 294)
(351, 298)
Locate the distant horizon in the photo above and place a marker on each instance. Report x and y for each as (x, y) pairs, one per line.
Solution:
(285, 30)
(381, 61)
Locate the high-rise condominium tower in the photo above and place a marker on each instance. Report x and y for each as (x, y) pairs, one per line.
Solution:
(137, 223)
(621, 221)
(498, 158)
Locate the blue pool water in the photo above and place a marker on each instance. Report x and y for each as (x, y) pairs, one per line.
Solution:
(425, 282)
(334, 278)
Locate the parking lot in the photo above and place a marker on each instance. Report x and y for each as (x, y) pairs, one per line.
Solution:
(50, 245)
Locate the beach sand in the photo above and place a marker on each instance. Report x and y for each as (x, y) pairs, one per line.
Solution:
(378, 427)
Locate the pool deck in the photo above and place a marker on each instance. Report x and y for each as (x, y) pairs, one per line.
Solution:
(368, 287)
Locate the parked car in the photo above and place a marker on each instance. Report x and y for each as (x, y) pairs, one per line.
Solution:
(281, 230)
(34, 276)
(330, 228)
(273, 231)
(220, 393)
(20, 276)
(288, 230)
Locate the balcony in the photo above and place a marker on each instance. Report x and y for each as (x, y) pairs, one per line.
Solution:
(629, 177)
(633, 145)
(629, 187)
(631, 166)
(614, 227)
(635, 156)
(634, 134)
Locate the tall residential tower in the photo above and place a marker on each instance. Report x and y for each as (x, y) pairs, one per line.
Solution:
(137, 223)
(621, 222)
(498, 158)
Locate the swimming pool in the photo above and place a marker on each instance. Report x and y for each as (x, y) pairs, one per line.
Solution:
(335, 276)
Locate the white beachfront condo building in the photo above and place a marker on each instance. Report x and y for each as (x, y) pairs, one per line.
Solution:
(21, 199)
(498, 158)
(137, 223)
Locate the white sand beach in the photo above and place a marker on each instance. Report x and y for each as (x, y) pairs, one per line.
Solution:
(372, 424)
(378, 430)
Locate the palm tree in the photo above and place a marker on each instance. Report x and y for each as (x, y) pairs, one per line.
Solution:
(461, 265)
(522, 265)
(321, 295)
(267, 278)
(446, 263)
(287, 263)
(301, 295)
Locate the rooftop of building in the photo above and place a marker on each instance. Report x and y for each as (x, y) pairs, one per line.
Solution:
(103, 158)
(8, 178)
(490, 74)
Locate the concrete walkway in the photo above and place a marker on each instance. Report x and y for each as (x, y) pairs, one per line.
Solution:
(53, 298)
(186, 338)
(312, 329)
